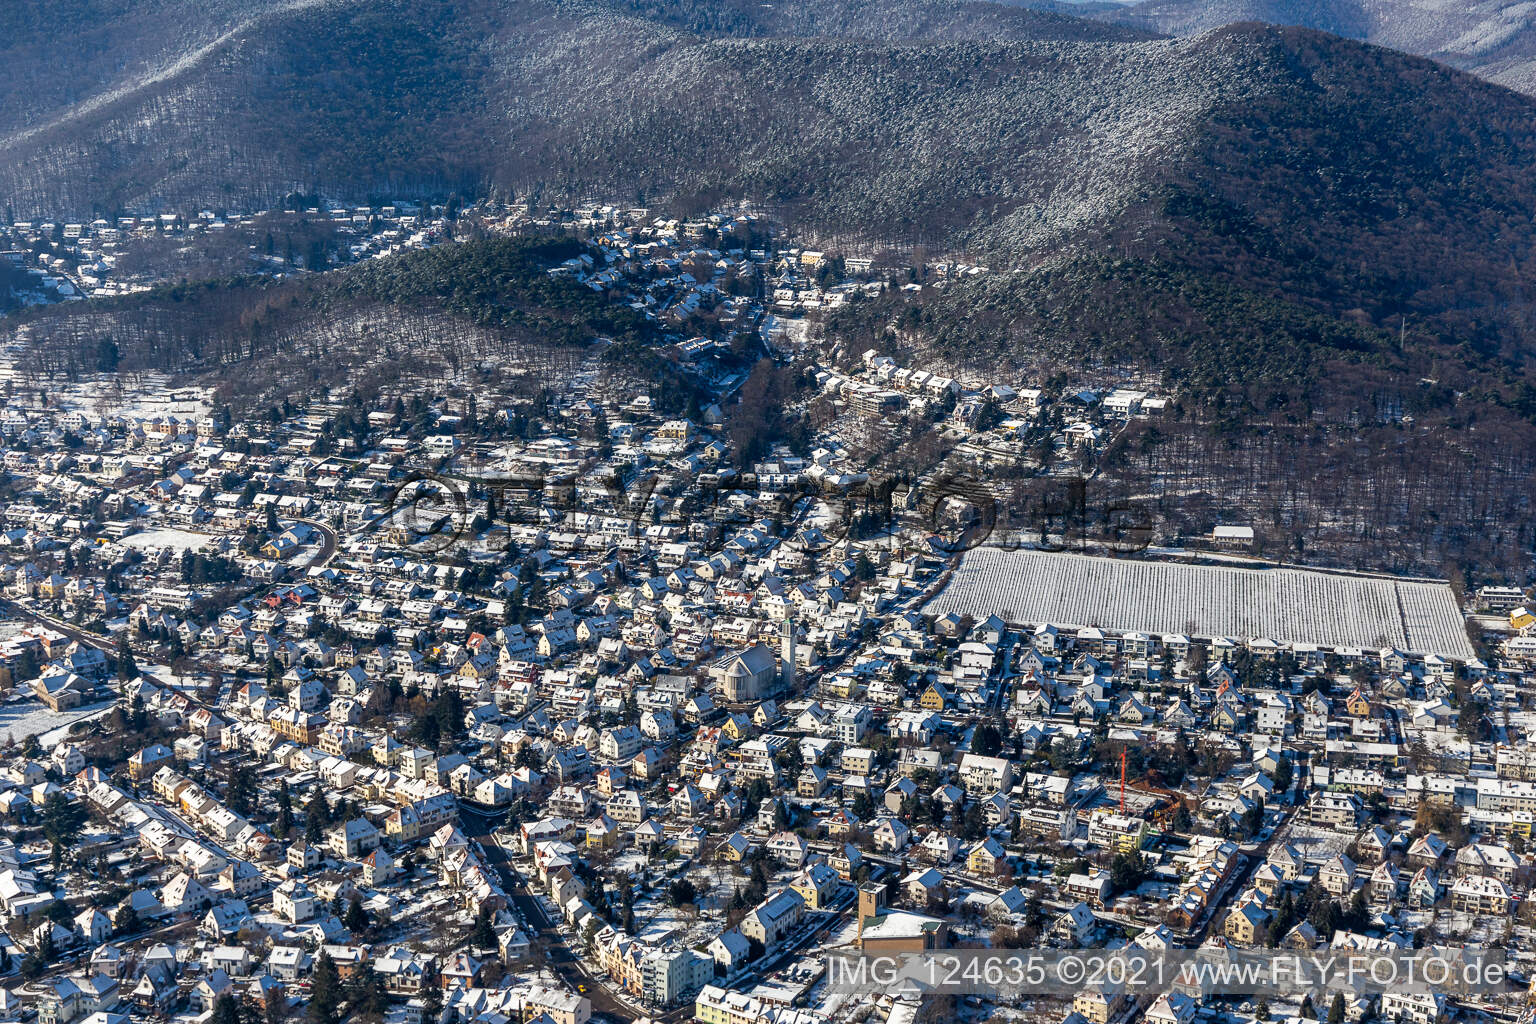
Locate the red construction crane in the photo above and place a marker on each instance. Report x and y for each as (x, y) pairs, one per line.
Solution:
(1122, 780)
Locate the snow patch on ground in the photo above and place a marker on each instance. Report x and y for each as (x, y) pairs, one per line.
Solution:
(136, 396)
(181, 540)
(1285, 605)
(20, 719)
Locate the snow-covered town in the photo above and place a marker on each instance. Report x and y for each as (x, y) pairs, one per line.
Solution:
(101, 258)
(451, 704)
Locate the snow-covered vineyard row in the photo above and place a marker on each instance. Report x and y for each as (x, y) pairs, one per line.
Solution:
(1285, 605)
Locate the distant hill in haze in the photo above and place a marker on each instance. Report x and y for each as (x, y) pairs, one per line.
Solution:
(874, 20)
(891, 21)
(1491, 38)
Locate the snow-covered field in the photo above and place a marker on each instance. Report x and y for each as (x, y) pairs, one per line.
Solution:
(144, 403)
(142, 396)
(1285, 605)
(31, 718)
(181, 540)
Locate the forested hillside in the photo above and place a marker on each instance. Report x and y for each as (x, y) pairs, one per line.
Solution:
(1340, 193)
(489, 304)
(566, 99)
(1350, 186)
(65, 56)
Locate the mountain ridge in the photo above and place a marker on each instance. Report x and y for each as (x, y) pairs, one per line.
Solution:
(1355, 181)
(417, 115)
(1491, 38)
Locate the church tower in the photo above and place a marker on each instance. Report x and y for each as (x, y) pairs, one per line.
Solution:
(787, 653)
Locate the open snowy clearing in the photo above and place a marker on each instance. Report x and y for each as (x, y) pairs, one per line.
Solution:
(1285, 605)
(181, 540)
(140, 396)
(21, 719)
